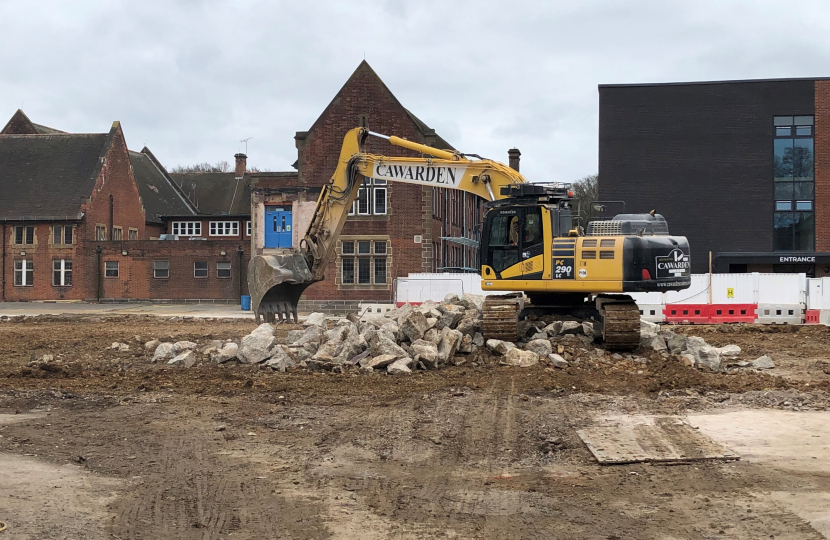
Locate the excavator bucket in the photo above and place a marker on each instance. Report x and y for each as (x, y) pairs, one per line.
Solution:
(276, 283)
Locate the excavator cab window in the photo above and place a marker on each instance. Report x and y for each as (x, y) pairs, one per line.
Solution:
(503, 240)
(532, 236)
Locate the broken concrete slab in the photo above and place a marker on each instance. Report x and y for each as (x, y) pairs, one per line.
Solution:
(519, 358)
(499, 346)
(186, 359)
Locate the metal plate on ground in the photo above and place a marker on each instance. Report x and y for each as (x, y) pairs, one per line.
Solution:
(661, 439)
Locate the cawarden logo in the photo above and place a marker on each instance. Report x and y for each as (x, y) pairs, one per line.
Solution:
(675, 264)
(417, 173)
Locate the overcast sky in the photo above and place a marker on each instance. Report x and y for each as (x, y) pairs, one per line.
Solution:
(192, 78)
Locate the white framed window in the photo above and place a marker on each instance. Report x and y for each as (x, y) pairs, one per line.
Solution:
(62, 235)
(380, 201)
(223, 269)
(224, 228)
(200, 269)
(161, 269)
(372, 199)
(187, 228)
(111, 269)
(61, 272)
(248, 228)
(362, 201)
(24, 272)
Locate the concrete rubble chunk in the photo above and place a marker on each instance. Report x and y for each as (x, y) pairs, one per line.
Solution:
(648, 329)
(554, 328)
(281, 358)
(265, 329)
(378, 361)
(570, 327)
(427, 306)
(315, 319)
(703, 353)
(311, 335)
(557, 361)
(520, 358)
(120, 347)
(425, 352)
(341, 343)
(474, 300)
(213, 345)
(186, 359)
(433, 335)
(764, 362)
(414, 325)
(657, 343)
(227, 353)
(675, 342)
(431, 322)
(255, 346)
(181, 346)
(151, 345)
(478, 339)
(451, 315)
(729, 351)
(450, 298)
(399, 366)
(539, 335)
(542, 347)
(588, 328)
(466, 345)
(470, 323)
(164, 351)
(294, 335)
(394, 330)
(375, 319)
(499, 346)
(447, 347)
(382, 344)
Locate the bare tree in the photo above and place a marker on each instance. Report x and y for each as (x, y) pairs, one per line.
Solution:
(586, 191)
(220, 166)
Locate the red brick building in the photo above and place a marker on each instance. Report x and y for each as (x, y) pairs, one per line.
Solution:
(394, 229)
(99, 221)
(84, 220)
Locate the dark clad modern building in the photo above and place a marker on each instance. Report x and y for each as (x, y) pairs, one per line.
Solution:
(739, 167)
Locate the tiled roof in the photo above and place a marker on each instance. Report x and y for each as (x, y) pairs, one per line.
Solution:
(216, 193)
(47, 177)
(160, 195)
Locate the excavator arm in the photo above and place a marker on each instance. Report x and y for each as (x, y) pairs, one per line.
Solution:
(276, 281)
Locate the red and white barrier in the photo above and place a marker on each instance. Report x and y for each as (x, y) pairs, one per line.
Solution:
(715, 299)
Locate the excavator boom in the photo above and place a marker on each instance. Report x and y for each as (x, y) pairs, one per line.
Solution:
(277, 280)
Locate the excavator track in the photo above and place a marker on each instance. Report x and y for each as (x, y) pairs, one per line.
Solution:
(500, 316)
(620, 325)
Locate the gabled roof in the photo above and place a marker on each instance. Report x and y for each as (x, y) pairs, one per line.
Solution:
(50, 176)
(19, 124)
(159, 193)
(425, 130)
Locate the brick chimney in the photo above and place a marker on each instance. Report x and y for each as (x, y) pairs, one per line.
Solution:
(513, 158)
(241, 165)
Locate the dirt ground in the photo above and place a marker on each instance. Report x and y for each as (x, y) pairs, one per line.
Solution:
(105, 444)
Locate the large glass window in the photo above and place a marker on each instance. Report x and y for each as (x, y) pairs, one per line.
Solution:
(61, 272)
(793, 171)
(24, 272)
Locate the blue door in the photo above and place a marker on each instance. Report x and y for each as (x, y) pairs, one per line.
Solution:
(277, 227)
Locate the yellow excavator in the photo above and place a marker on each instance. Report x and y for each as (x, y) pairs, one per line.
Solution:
(528, 245)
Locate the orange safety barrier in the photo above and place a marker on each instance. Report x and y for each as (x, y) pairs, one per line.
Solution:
(687, 313)
(812, 316)
(732, 313)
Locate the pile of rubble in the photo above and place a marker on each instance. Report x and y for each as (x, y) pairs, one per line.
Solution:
(694, 351)
(430, 336)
